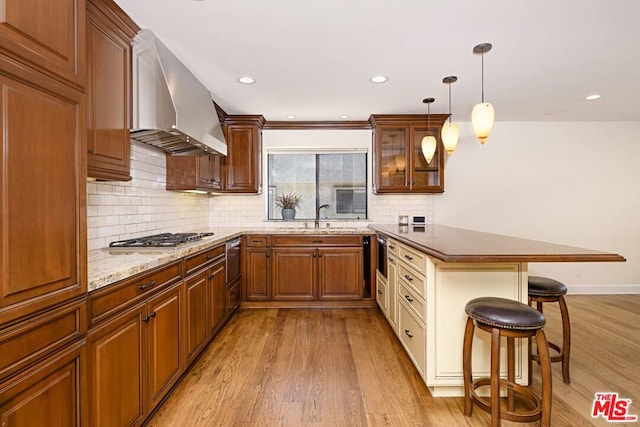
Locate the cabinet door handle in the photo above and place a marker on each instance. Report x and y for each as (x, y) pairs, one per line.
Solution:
(210, 257)
(391, 260)
(408, 332)
(211, 276)
(268, 254)
(145, 319)
(409, 278)
(319, 255)
(379, 292)
(391, 247)
(147, 285)
(410, 258)
(316, 241)
(153, 314)
(408, 298)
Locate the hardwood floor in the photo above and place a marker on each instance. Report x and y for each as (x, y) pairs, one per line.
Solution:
(345, 367)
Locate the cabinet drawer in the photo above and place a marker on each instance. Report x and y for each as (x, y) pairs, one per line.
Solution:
(409, 296)
(392, 247)
(198, 260)
(104, 302)
(322, 240)
(258, 240)
(414, 280)
(414, 258)
(413, 337)
(28, 341)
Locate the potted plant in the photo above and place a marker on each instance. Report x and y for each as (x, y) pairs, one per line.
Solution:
(288, 202)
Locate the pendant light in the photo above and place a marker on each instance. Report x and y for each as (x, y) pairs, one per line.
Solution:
(450, 131)
(483, 114)
(429, 142)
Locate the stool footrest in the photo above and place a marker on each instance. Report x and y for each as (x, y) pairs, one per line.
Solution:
(522, 415)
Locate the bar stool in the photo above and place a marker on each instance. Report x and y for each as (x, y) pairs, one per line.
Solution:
(541, 290)
(511, 319)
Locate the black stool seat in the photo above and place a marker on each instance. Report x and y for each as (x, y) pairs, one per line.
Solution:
(504, 313)
(545, 287)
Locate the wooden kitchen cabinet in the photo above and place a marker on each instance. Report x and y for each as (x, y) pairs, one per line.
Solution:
(117, 362)
(399, 165)
(205, 299)
(49, 393)
(136, 359)
(257, 268)
(135, 345)
(185, 173)
(242, 166)
(318, 267)
(340, 273)
(42, 182)
(47, 36)
(294, 274)
(109, 35)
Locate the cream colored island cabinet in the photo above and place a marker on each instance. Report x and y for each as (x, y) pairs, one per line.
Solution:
(425, 307)
(433, 271)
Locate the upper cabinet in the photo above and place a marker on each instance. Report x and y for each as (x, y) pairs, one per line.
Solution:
(243, 164)
(189, 173)
(399, 165)
(46, 35)
(109, 35)
(240, 171)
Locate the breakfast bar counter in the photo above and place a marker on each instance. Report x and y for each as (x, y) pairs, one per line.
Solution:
(451, 244)
(432, 272)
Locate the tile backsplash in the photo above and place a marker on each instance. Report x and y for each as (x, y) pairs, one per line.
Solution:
(122, 210)
(142, 206)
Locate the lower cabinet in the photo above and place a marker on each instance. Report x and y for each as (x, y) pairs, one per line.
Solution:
(47, 394)
(135, 359)
(205, 307)
(304, 268)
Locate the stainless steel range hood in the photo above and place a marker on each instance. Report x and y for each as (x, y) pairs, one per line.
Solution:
(172, 109)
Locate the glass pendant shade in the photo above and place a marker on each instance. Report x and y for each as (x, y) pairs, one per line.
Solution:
(482, 119)
(450, 134)
(400, 163)
(428, 146)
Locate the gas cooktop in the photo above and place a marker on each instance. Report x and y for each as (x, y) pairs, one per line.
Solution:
(163, 240)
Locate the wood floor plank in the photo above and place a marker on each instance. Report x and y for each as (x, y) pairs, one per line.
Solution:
(345, 367)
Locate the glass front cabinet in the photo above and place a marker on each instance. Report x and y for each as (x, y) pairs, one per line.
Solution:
(398, 163)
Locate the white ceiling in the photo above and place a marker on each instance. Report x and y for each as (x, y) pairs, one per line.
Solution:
(314, 58)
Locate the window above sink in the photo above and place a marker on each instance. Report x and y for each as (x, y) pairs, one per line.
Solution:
(338, 179)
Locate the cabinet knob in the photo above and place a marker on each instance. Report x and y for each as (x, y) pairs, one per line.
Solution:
(408, 332)
(210, 256)
(409, 278)
(211, 276)
(145, 319)
(408, 298)
(410, 258)
(379, 292)
(152, 315)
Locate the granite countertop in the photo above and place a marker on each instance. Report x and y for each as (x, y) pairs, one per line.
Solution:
(452, 244)
(108, 265)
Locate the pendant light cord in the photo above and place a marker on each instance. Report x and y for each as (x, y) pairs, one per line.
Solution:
(449, 102)
(482, 58)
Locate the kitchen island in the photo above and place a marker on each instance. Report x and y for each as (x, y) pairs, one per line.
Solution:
(433, 271)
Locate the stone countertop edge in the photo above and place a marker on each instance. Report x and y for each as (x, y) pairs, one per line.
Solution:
(107, 266)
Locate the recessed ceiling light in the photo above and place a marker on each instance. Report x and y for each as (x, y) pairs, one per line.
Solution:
(291, 116)
(378, 79)
(592, 97)
(344, 116)
(246, 80)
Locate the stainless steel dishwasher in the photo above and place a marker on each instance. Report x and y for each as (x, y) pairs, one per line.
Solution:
(232, 249)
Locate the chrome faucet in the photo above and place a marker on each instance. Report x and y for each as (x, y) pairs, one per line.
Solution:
(317, 221)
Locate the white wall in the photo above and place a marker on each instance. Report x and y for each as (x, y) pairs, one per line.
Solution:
(567, 183)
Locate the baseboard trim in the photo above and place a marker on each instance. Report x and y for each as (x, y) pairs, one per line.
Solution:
(603, 289)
